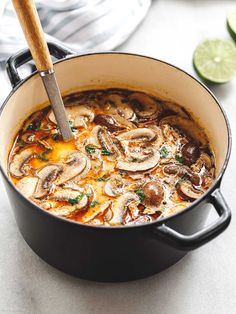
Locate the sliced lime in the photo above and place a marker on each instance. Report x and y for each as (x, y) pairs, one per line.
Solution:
(231, 23)
(215, 60)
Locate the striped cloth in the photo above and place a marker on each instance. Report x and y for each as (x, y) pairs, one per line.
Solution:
(82, 25)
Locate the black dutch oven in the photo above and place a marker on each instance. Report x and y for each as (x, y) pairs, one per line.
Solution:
(115, 253)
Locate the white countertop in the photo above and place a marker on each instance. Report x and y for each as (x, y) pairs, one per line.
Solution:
(205, 280)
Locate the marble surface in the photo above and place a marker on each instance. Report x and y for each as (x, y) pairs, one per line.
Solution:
(205, 280)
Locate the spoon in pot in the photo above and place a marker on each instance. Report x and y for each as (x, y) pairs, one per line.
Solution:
(32, 28)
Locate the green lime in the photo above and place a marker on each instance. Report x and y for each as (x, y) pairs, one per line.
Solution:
(231, 23)
(215, 60)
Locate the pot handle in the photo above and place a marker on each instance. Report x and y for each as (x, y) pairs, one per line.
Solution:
(24, 56)
(190, 242)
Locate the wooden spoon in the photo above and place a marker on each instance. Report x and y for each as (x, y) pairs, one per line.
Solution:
(32, 28)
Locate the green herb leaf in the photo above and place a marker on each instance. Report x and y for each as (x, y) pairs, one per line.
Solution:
(76, 200)
(140, 194)
(34, 126)
(94, 203)
(164, 152)
(106, 152)
(72, 126)
(42, 156)
(179, 159)
(90, 149)
(102, 179)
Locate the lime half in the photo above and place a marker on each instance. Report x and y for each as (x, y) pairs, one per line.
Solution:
(215, 60)
(231, 23)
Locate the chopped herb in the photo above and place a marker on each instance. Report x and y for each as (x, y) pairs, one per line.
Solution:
(42, 156)
(21, 143)
(164, 152)
(94, 203)
(140, 194)
(76, 200)
(102, 179)
(179, 159)
(72, 126)
(106, 152)
(34, 126)
(90, 149)
(88, 194)
(55, 137)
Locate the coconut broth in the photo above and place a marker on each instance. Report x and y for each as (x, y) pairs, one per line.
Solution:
(134, 159)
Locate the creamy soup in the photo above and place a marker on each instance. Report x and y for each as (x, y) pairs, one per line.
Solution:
(133, 159)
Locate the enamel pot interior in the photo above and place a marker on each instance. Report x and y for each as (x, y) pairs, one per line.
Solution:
(105, 70)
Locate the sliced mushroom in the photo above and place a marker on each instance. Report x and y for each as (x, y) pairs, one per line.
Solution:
(120, 206)
(139, 134)
(203, 160)
(182, 171)
(84, 172)
(114, 186)
(109, 122)
(187, 192)
(27, 186)
(106, 142)
(78, 114)
(147, 164)
(116, 103)
(68, 194)
(122, 122)
(158, 141)
(177, 109)
(139, 154)
(73, 166)
(174, 209)
(187, 126)
(19, 167)
(47, 175)
(145, 106)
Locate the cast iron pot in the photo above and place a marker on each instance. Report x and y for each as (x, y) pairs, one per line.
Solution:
(115, 253)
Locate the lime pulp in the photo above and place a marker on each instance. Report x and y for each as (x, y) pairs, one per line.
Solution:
(215, 60)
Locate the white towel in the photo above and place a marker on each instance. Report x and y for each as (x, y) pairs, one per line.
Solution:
(83, 25)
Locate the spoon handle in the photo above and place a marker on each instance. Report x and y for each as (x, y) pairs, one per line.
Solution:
(32, 28)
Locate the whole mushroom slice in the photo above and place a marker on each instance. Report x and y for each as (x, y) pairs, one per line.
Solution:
(18, 166)
(139, 134)
(188, 126)
(118, 104)
(73, 166)
(147, 164)
(145, 106)
(114, 186)
(119, 207)
(27, 186)
(46, 175)
(187, 192)
(78, 114)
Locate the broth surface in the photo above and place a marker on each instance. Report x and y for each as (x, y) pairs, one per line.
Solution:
(134, 159)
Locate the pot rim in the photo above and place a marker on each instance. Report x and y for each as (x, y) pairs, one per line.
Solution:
(161, 221)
